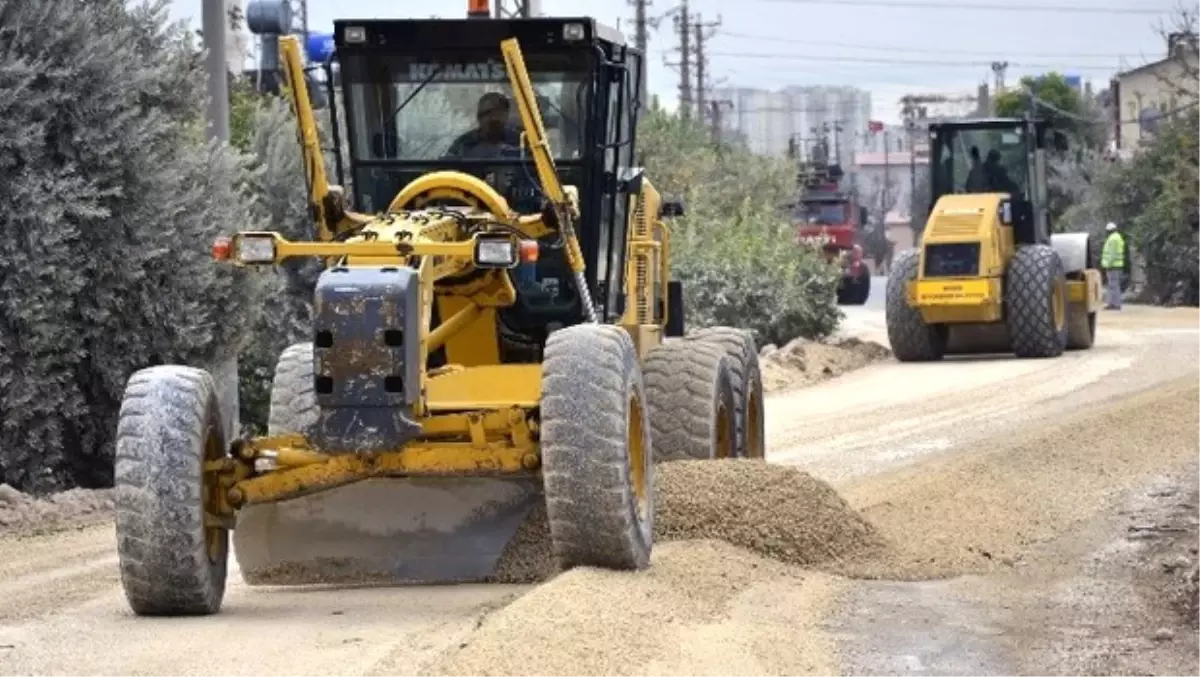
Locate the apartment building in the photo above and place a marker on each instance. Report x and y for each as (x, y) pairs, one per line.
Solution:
(1142, 97)
(769, 119)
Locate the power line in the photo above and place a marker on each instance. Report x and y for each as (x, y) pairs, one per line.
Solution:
(903, 62)
(917, 50)
(1074, 9)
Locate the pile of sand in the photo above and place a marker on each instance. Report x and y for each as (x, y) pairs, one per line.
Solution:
(775, 511)
(804, 362)
(22, 513)
(702, 608)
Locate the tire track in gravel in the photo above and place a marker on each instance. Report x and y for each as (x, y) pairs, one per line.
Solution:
(894, 414)
(85, 626)
(43, 574)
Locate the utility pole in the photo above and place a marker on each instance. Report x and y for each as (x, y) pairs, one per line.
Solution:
(887, 181)
(641, 41)
(998, 69)
(703, 32)
(300, 12)
(715, 111)
(215, 21)
(683, 26)
(518, 9)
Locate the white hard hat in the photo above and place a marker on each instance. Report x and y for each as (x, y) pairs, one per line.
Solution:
(1110, 226)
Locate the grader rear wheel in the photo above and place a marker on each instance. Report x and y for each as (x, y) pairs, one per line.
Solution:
(693, 410)
(293, 410)
(739, 347)
(173, 554)
(597, 469)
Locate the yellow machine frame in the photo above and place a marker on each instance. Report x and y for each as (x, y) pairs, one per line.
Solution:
(475, 414)
(978, 299)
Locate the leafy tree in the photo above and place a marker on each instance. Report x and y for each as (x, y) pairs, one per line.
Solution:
(111, 200)
(1056, 102)
(735, 250)
(1050, 98)
(287, 313)
(1154, 195)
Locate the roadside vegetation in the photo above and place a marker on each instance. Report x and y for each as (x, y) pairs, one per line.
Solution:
(112, 198)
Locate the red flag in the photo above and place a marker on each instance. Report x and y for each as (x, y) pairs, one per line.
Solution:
(875, 126)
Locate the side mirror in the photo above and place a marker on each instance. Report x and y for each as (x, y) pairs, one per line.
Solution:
(670, 209)
(1061, 144)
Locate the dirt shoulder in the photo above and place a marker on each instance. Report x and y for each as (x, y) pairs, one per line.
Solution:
(23, 515)
(802, 362)
(1068, 550)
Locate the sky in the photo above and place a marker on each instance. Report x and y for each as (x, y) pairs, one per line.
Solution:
(887, 47)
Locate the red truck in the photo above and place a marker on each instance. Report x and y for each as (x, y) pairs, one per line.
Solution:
(831, 218)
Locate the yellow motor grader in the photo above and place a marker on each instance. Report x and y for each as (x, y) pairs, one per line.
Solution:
(490, 335)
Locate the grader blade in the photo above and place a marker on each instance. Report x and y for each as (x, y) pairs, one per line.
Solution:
(445, 530)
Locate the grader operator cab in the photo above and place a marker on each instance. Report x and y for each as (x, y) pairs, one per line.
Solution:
(488, 337)
(988, 275)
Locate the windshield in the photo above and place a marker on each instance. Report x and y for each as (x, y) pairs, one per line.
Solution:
(821, 213)
(983, 161)
(458, 105)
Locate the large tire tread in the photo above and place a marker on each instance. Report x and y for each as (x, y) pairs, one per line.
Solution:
(294, 410)
(746, 373)
(293, 398)
(590, 373)
(166, 417)
(687, 383)
(911, 339)
(1029, 286)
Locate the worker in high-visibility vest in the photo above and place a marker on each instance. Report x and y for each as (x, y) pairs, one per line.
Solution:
(1112, 261)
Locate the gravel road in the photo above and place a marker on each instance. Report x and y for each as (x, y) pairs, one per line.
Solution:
(967, 466)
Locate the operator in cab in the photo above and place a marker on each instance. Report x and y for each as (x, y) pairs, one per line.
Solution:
(976, 181)
(494, 135)
(997, 176)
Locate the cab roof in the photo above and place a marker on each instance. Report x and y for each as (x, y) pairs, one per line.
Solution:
(432, 34)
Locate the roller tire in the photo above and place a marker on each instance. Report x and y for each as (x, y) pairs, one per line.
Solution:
(1081, 328)
(168, 418)
(590, 375)
(1030, 281)
(739, 347)
(690, 389)
(911, 339)
(293, 410)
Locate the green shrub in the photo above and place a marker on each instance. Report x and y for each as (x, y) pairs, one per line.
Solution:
(735, 249)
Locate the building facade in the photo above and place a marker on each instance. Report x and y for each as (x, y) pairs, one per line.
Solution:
(770, 120)
(1143, 97)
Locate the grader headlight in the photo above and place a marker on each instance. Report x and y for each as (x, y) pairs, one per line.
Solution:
(496, 252)
(255, 248)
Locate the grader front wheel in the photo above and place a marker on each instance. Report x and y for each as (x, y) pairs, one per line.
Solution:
(597, 469)
(172, 553)
(293, 411)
